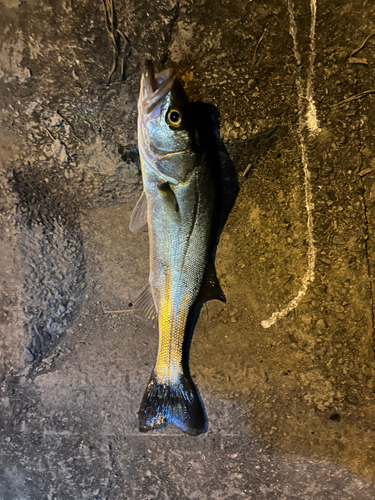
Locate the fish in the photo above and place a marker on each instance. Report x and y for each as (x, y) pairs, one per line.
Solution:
(177, 203)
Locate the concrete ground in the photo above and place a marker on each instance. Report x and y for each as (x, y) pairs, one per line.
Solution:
(286, 367)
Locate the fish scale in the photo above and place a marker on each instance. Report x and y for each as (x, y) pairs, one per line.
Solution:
(185, 256)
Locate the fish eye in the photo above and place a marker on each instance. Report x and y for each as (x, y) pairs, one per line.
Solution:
(174, 117)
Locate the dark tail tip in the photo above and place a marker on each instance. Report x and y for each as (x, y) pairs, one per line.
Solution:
(176, 404)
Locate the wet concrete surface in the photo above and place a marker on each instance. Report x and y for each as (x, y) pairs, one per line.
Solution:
(286, 368)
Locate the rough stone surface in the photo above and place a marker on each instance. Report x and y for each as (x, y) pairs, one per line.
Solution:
(291, 408)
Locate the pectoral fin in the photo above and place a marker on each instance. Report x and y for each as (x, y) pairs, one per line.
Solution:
(210, 290)
(144, 305)
(170, 201)
(139, 214)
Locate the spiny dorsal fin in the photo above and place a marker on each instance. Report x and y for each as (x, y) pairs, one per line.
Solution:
(139, 214)
(144, 305)
(210, 290)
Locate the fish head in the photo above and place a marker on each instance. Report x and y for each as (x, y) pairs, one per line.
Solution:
(166, 136)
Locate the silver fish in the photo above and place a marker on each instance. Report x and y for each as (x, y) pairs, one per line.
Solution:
(177, 203)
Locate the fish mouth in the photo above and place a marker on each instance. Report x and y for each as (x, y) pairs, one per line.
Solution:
(155, 86)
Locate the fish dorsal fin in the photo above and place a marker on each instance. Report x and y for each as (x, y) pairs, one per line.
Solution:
(210, 290)
(144, 305)
(139, 214)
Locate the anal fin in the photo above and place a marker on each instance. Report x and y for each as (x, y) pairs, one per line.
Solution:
(144, 305)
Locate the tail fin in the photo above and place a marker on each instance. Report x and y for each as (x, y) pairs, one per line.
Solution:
(176, 404)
